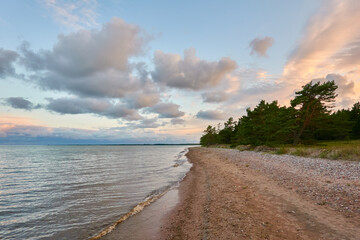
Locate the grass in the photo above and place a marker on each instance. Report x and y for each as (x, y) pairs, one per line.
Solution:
(300, 152)
(281, 150)
(337, 150)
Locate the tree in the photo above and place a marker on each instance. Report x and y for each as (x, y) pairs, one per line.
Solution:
(226, 134)
(336, 126)
(267, 123)
(209, 137)
(311, 102)
(355, 118)
(309, 118)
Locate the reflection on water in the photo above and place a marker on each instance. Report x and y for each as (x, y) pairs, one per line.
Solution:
(72, 192)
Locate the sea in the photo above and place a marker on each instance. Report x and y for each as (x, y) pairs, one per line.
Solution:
(76, 192)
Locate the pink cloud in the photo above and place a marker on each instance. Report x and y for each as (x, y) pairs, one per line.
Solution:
(328, 36)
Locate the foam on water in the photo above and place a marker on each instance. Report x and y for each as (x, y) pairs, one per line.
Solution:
(138, 208)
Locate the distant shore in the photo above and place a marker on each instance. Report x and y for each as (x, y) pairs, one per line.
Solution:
(230, 194)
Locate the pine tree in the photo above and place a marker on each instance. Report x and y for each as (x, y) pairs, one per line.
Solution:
(311, 102)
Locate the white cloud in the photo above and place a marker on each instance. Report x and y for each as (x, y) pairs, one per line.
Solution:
(84, 52)
(74, 15)
(191, 72)
(167, 110)
(94, 63)
(94, 106)
(147, 123)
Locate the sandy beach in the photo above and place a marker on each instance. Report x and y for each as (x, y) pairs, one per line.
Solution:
(250, 195)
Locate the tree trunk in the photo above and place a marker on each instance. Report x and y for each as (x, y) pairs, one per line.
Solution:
(297, 136)
(305, 124)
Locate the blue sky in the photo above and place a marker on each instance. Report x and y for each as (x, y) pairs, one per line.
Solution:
(161, 71)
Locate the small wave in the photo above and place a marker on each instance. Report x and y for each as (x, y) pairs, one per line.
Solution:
(181, 154)
(152, 197)
(138, 208)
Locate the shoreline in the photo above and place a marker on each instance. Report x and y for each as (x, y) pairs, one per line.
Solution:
(230, 195)
(147, 223)
(146, 215)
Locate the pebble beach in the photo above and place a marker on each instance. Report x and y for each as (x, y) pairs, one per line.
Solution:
(232, 194)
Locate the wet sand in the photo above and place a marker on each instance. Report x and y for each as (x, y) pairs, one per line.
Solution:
(146, 224)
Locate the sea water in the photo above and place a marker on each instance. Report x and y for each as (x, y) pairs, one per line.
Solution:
(74, 192)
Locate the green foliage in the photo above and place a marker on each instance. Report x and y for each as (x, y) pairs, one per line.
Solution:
(324, 153)
(355, 118)
(312, 103)
(300, 152)
(308, 119)
(225, 134)
(209, 137)
(267, 123)
(281, 150)
(336, 126)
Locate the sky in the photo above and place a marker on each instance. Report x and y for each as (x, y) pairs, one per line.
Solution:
(116, 71)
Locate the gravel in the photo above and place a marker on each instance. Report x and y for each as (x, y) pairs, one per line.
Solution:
(327, 182)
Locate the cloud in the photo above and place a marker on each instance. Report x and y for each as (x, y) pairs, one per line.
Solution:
(346, 87)
(147, 95)
(167, 110)
(20, 103)
(330, 43)
(11, 133)
(245, 87)
(7, 60)
(191, 72)
(97, 68)
(210, 115)
(148, 123)
(110, 83)
(75, 15)
(215, 97)
(94, 106)
(330, 47)
(9, 129)
(348, 102)
(84, 52)
(176, 121)
(349, 57)
(260, 46)
(94, 63)
(143, 99)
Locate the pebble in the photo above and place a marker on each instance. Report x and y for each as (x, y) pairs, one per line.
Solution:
(335, 182)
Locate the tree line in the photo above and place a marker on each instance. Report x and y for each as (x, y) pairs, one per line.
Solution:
(309, 118)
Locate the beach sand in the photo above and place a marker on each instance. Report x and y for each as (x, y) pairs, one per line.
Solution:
(243, 195)
(230, 194)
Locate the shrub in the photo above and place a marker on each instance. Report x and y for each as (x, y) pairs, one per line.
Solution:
(300, 152)
(281, 150)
